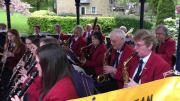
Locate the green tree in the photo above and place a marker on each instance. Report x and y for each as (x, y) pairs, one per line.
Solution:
(153, 5)
(165, 9)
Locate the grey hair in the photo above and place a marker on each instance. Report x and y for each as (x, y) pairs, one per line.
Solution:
(164, 28)
(123, 28)
(119, 33)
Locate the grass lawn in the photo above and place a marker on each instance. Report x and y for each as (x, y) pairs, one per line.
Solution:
(18, 21)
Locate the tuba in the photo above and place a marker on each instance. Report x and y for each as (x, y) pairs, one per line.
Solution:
(105, 77)
(125, 73)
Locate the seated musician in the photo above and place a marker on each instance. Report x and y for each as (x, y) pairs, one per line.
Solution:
(55, 78)
(149, 66)
(13, 51)
(167, 46)
(98, 28)
(37, 31)
(87, 34)
(119, 53)
(77, 41)
(93, 64)
(61, 36)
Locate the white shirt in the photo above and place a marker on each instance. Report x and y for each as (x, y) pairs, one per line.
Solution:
(145, 59)
(88, 34)
(3, 31)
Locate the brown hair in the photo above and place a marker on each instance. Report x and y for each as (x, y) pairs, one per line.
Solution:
(17, 39)
(145, 35)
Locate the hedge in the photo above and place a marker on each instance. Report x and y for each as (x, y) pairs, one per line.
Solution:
(107, 23)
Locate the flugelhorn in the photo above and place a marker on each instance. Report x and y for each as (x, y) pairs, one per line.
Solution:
(125, 73)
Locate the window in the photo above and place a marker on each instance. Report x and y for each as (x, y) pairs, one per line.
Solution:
(93, 10)
(82, 10)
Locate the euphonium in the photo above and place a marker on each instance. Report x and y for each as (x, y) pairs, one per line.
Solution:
(125, 69)
(105, 77)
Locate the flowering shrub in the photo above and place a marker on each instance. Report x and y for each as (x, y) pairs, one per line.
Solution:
(18, 6)
(172, 25)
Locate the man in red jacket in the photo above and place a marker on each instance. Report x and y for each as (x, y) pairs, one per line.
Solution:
(167, 46)
(150, 66)
(87, 34)
(118, 55)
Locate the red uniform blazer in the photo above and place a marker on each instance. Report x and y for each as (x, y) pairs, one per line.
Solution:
(96, 59)
(84, 35)
(77, 45)
(11, 62)
(153, 70)
(63, 37)
(167, 49)
(34, 90)
(127, 52)
(63, 90)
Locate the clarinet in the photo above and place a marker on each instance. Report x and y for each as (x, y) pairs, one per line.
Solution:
(18, 67)
(33, 63)
(17, 90)
(27, 85)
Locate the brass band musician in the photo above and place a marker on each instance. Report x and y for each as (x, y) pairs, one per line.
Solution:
(119, 54)
(93, 64)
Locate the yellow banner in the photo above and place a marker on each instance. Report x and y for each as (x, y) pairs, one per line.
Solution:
(167, 89)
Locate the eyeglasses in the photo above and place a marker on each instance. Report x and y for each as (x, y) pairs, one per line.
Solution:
(139, 45)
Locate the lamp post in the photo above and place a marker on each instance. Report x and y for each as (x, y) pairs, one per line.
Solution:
(7, 3)
(142, 14)
(77, 11)
(178, 51)
(178, 44)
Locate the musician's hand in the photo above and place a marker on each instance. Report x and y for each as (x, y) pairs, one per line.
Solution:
(21, 63)
(110, 69)
(83, 61)
(9, 54)
(130, 84)
(23, 78)
(16, 98)
(23, 71)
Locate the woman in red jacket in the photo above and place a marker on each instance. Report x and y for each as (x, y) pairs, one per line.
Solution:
(94, 63)
(55, 74)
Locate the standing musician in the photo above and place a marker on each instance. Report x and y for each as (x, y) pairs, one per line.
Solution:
(13, 51)
(61, 36)
(93, 64)
(167, 46)
(55, 77)
(87, 34)
(129, 37)
(149, 66)
(77, 41)
(119, 54)
(97, 28)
